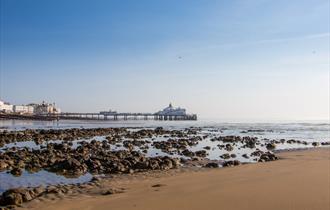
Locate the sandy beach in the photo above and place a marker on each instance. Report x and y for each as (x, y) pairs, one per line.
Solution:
(299, 180)
(164, 105)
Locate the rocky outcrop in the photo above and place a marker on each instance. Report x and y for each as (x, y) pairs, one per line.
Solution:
(17, 196)
(267, 156)
(271, 146)
(212, 165)
(231, 163)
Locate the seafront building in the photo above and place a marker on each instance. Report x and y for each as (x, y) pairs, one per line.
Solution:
(23, 109)
(45, 108)
(6, 107)
(31, 109)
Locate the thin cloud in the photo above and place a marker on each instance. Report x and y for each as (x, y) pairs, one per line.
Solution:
(264, 41)
(311, 36)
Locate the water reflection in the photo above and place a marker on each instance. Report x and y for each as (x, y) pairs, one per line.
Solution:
(42, 177)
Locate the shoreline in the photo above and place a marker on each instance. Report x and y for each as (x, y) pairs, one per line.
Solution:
(26, 117)
(298, 180)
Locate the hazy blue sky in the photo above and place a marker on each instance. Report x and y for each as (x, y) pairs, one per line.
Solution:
(248, 59)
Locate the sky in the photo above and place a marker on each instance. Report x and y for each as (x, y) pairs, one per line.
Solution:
(248, 59)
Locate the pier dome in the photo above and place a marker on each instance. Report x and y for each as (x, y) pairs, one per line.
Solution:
(170, 110)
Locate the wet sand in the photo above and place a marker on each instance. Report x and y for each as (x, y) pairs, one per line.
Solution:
(299, 180)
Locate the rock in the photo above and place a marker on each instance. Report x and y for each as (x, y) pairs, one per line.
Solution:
(112, 191)
(229, 139)
(291, 141)
(108, 192)
(267, 157)
(231, 163)
(39, 190)
(188, 153)
(249, 142)
(196, 159)
(159, 130)
(70, 166)
(3, 165)
(201, 153)
(245, 156)
(27, 195)
(255, 130)
(154, 164)
(175, 162)
(315, 144)
(207, 147)
(16, 171)
(229, 147)
(225, 156)
(95, 179)
(270, 146)
(183, 161)
(53, 189)
(166, 164)
(257, 153)
(20, 164)
(141, 165)
(212, 165)
(12, 197)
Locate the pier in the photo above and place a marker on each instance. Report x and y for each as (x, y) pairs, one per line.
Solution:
(121, 116)
(46, 111)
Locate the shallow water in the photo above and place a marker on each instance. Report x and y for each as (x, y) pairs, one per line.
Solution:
(42, 177)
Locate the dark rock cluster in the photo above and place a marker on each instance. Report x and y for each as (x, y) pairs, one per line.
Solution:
(94, 157)
(267, 156)
(42, 135)
(19, 195)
